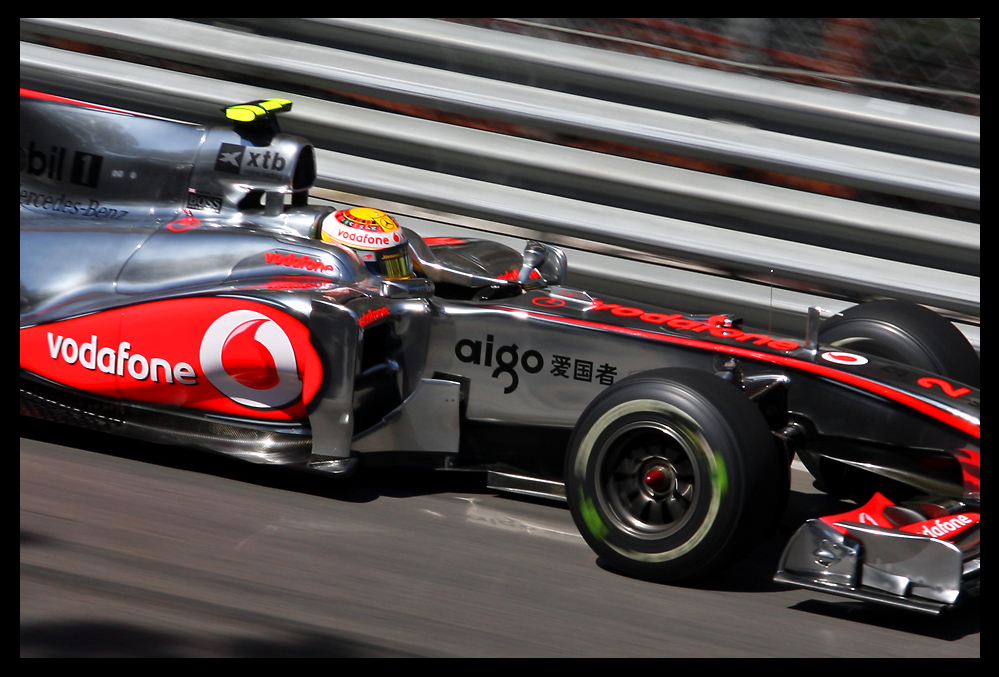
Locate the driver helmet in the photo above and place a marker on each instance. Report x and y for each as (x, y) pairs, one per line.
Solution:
(374, 236)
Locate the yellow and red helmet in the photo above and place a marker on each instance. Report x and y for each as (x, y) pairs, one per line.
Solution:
(374, 236)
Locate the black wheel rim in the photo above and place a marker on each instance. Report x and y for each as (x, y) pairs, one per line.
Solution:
(648, 479)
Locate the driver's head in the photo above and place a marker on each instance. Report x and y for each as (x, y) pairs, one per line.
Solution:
(376, 238)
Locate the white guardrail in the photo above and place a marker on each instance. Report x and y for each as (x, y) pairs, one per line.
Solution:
(633, 227)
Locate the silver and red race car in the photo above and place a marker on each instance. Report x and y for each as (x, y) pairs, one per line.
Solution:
(177, 285)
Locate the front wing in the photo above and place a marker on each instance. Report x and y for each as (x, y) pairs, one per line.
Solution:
(919, 556)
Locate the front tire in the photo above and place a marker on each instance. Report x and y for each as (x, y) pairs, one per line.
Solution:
(673, 475)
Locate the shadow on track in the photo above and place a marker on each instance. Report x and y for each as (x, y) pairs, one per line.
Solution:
(365, 485)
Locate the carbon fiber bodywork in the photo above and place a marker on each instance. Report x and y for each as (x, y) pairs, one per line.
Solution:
(172, 287)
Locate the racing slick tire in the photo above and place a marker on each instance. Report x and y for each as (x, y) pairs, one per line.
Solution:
(673, 475)
(903, 332)
(907, 333)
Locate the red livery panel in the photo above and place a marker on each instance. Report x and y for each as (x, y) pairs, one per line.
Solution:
(219, 354)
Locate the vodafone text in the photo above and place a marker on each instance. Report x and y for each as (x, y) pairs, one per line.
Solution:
(292, 261)
(944, 527)
(713, 326)
(363, 239)
(116, 361)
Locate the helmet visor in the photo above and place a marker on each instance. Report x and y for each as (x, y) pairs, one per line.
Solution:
(392, 264)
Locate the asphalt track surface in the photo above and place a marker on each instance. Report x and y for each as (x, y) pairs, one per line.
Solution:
(138, 550)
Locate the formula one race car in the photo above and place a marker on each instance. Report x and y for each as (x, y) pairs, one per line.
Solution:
(176, 285)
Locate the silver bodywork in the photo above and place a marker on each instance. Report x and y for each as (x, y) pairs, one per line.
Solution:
(123, 215)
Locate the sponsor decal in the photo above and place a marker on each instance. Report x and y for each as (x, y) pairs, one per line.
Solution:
(506, 359)
(184, 223)
(548, 302)
(115, 361)
(61, 164)
(230, 158)
(364, 239)
(839, 357)
(250, 359)
(250, 161)
(290, 283)
(90, 208)
(209, 203)
(371, 316)
(301, 261)
(230, 356)
(714, 326)
(873, 513)
(563, 366)
(944, 527)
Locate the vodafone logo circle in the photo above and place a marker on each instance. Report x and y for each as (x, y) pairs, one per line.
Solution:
(548, 302)
(839, 357)
(183, 223)
(250, 360)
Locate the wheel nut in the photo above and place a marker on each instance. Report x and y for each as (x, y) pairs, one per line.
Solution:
(656, 479)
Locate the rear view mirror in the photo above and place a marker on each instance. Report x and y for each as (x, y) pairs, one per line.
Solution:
(550, 264)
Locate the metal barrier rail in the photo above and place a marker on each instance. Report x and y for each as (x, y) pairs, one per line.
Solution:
(530, 188)
(326, 68)
(663, 85)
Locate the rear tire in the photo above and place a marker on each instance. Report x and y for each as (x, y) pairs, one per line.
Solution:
(902, 332)
(907, 333)
(673, 475)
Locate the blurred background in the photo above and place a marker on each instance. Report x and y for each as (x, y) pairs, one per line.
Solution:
(933, 62)
(765, 165)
